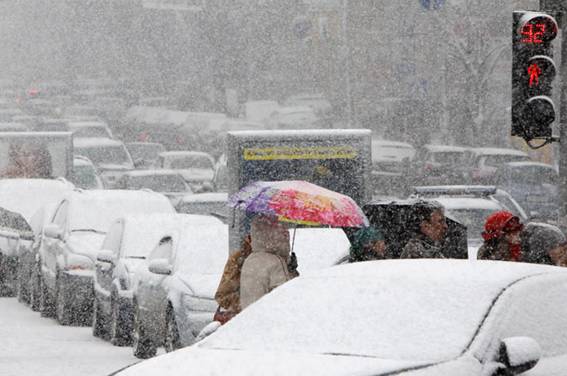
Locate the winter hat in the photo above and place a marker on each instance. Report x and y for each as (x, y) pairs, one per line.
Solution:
(499, 223)
(367, 235)
(540, 238)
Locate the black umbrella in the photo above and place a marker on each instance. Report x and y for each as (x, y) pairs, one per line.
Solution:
(15, 222)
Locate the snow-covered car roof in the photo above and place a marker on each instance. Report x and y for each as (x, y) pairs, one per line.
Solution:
(529, 164)
(96, 209)
(182, 153)
(454, 203)
(430, 311)
(143, 232)
(81, 124)
(444, 148)
(26, 196)
(293, 110)
(497, 151)
(95, 142)
(205, 197)
(156, 172)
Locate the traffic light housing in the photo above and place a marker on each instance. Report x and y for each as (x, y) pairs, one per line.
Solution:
(533, 72)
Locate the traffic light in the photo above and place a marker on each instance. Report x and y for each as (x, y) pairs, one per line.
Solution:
(533, 72)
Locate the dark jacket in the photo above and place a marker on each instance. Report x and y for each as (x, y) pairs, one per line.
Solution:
(420, 246)
(495, 249)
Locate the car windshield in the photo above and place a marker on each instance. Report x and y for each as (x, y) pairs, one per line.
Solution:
(110, 154)
(191, 162)
(158, 183)
(473, 219)
(532, 175)
(448, 157)
(215, 207)
(84, 177)
(417, 317)
(93, 131)
(498, 160)
(147, 152)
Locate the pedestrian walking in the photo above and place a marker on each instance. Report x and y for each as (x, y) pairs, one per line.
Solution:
(430, 229)
(228, 291)
(267, 266)
(502, 237)
(368, 244)
(543, 243)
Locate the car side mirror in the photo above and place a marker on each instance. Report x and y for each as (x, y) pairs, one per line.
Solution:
(519, 354)
(53, 231)
(160, 266)
(105, 256)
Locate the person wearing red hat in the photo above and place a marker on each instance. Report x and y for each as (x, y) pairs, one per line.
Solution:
(501, 235)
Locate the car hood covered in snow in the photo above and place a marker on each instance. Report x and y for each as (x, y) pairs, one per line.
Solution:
(197, 361)
(201, 285)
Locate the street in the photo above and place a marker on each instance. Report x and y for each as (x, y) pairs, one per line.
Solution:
(33, 345)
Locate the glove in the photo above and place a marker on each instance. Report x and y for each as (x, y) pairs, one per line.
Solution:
(292, 264)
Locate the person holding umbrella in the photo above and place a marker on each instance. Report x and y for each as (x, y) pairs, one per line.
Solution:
(267, 266)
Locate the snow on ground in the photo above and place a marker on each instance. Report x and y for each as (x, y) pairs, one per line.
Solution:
(32, 345)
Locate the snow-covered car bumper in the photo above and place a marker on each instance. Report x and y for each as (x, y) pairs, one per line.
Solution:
(196, 313)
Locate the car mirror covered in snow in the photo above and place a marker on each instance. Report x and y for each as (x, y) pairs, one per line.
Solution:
(53, 231)
(160, 266)
(519, 354)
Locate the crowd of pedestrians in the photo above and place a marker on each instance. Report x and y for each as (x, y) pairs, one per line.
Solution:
(265, 260)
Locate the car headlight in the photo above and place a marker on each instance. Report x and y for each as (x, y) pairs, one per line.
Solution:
(78, 262)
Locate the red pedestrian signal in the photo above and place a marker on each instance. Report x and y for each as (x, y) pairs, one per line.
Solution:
(533, 72)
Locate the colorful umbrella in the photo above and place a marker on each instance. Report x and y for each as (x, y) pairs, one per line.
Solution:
(299, 202)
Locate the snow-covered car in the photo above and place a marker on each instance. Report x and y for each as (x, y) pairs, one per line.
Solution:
(181, 320)
(25, 196)
(168, 182)
(390, 162)
(73, 239)
(297, 117)
(109, 156)
(197, 168)
(84, 174)
(393, 317)
(480, 164)
(144, 154)
(89, 129)
(470, 206)
(438, 164)
(204, 203)
(38, 221)
(174, 291)
(128, 242)
(533, 185)
(320, 105)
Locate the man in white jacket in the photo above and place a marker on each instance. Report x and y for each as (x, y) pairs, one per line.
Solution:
(267, 267)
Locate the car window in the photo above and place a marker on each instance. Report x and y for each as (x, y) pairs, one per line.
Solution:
(163, 250)
(191, 162)
(473, 219)
(60, 217)
(538, 309)
(106, 154)
(448, 157)
(158, 183)
(113, 239)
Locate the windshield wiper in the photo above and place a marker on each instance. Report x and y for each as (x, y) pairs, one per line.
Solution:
(88, 230)
(137, 257)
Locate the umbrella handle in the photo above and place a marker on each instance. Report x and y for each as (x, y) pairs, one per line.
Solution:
(293, 239)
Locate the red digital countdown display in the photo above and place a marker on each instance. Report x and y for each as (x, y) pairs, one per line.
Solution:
(537, 29)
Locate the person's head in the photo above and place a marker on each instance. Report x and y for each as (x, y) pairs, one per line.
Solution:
(269, 235)
(543, 243)
(503, 225)
(370, 240)
(431, 220)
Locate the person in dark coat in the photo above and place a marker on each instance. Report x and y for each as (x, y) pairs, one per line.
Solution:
(430, 229)
(368, 244)
(543, 243)
(502, 238)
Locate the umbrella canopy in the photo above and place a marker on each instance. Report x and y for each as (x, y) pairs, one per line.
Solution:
(299, 202)
(15, 222)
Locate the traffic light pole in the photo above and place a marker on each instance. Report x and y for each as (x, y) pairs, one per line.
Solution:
(560, 6)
